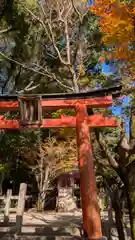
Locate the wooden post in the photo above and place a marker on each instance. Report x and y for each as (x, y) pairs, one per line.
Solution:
(20, 207)
(90, 208)
(7, 205)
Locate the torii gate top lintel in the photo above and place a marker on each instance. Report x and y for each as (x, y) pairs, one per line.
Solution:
(31, 106)
(113, 90)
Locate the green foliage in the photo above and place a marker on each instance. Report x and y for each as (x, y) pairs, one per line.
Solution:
(32, 3)
(20, 43)
(84, 80)
(133, 128)
(4, 168)
(60, 112)
(39, 205)
(112, 136)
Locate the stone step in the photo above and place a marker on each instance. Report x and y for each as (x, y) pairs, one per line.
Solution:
(40, 232)
(43, 230)
(36, 237)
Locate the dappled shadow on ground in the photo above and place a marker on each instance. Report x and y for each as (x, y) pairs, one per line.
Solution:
(61, 226)
(66, 226)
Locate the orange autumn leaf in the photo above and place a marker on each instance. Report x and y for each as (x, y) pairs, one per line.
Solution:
(117, 21)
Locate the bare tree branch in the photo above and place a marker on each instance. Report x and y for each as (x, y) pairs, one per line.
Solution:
(68, 11)
(39, 20)
(60, 11)
(55, 46)
(80, 15)
(50, 33)
(45, 73)
(21, 64)
(67, 42)
(6, 30)
(45, 18)
(63, 85)
(29, 87)
(76, 10)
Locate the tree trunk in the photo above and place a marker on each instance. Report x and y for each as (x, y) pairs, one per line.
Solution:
(74, 79)
(118, 219)
(109, 201)
(1, 182)
(45, 186)
(130, 191)
(110, 214)
(115, 204)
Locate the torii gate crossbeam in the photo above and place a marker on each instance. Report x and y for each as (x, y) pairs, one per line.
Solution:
(31, 116)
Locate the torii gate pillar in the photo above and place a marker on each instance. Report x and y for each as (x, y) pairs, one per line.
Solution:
(91, 212)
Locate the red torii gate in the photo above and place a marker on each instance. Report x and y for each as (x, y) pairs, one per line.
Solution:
(31, 116)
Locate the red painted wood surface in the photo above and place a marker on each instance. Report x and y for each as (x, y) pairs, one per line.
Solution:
(99, 120)
(90, 208)
(56, 104)
(2, 117)
(65, 121)
(9, 105)
(9, 124)
(91, 102)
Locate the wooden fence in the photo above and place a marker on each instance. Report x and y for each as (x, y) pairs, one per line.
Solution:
(20, 205)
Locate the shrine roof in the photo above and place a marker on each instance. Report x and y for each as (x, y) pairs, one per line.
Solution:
(74, 174)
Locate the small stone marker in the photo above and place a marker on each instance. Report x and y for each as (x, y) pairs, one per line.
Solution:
(20, 207)
(7, 205)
